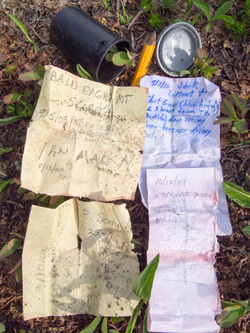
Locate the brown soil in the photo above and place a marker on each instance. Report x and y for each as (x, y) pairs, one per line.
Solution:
(232, 58)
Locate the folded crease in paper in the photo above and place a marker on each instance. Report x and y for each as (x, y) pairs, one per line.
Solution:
(85, 139)
(180, 132)
(182, 219)
(78, 259)
(181, 184)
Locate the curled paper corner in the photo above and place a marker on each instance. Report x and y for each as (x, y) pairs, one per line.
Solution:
(210, 86)
(47, 67)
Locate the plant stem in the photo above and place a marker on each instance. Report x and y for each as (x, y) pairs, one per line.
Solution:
(26, 106)
(187, 11)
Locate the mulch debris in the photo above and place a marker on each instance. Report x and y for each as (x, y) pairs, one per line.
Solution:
(232, 58)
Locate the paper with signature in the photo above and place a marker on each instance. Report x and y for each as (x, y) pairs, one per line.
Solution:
(182, 206)
(182, 210)
(180, 132)
(85, 138)
(78, 259)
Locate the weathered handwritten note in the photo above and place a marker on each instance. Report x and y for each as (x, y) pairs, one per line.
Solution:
(78, 259)
(182, 206)
(181, 211)
(85, 138)
(184, 296)
(183, 190)
(180, 132)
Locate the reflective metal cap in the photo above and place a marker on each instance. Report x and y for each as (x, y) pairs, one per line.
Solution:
(176, 46)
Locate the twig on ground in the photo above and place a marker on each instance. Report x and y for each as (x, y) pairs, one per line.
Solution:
(132, 40)
(117, 9)
(135, 19)
(37, 35)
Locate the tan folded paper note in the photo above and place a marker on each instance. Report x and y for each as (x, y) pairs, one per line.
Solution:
(85, 138)
(78, 259)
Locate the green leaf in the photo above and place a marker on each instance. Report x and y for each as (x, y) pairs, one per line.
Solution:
(109, 56)
(122, 19)
(120, 58)
(105, 325)
(209, 26)
(236, 99)
(16, 267)
(10, 248)
(12, 98)
(129, 54)
(247, 230)
(30, 67)
(195, 19)
(229, 316)
(9, 120)
(35, 47)
(136, 242)
(185, 72)
(228, 109)
(106, 4)
(21, 26)
(223, 120)
(204, 7)
(224, 8)
(56, 201)
(113, 49)
(130, 18)
(202, 54)
(225, 18)
(225, 304)
(244, 304)
(143, 284)
(4, 183)
(195, 71)
(237, 194)
(2, 328)
(18, 273)
(29, 76)
(41, 70)
(83, 73)
(134, 317)
(213, 69)
(145, 322)
(245, 111)
(5, 150)
(113, 331)
(209, 61)
(92, 326)
(238, 102)
(31, 196)
(241, 126)
(117, 319)
(17, 234)
(11, 68)
(130, 62)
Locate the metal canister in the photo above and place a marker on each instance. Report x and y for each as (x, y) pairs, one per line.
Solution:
(86, 41)
(175, 48)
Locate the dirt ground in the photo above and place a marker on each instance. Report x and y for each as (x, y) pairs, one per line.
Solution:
(232, 58)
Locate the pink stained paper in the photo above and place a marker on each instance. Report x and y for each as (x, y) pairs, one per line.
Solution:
(182, 206)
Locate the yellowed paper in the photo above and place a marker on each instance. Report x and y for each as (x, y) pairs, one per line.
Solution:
(85, 139)
(78, 259)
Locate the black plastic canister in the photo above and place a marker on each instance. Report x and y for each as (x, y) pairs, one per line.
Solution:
(86, 41)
